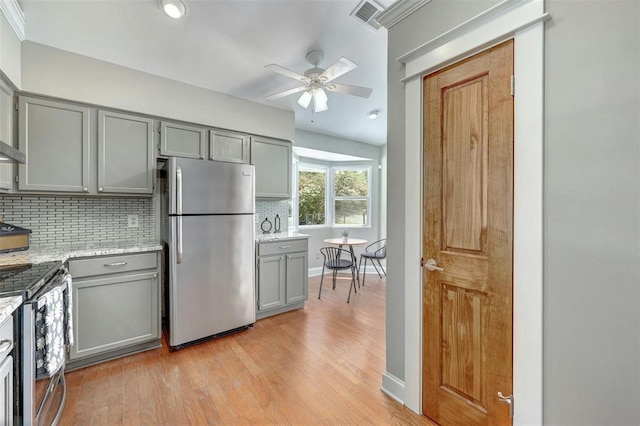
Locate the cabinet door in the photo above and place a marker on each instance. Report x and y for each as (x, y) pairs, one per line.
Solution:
(125, 153)
(181, 140)
(271, 282)
(114, 312)
(272, 161)
(6, 391)
(297, 277)
(55, 138)
(228, 146)
(6, 133)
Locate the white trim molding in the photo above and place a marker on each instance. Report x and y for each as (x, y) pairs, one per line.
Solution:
(398, 11)
(15, 16)
(393, 387)
(523, 21)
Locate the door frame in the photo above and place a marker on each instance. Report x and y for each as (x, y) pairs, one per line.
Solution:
(522, 20)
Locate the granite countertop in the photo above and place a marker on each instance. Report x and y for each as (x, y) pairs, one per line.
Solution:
(65, 252)
(8, 305)
(291, 235)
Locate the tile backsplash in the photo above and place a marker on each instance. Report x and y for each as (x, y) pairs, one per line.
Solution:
(80, 220)
(269, 210)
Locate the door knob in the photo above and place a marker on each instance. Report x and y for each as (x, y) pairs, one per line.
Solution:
(507, 400)
(432, 265)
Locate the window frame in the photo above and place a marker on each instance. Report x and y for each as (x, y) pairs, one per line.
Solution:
(311, 167)
(335, 198)
(329, 193)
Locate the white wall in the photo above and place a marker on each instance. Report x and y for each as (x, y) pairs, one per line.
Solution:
(58, 73)
(591, 338)
(9, 53)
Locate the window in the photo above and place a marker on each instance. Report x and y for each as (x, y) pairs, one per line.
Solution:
(312, 185)
(351, 196)
(332, 196)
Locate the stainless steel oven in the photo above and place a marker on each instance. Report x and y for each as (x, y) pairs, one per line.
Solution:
(43, 334)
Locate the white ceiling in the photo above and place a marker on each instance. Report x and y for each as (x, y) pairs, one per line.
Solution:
(223, 45)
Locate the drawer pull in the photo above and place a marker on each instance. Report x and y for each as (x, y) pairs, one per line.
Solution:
(284, 247)
(115, 264)
(5, 345)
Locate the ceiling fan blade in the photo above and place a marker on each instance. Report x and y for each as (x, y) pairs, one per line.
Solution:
(286, 72)
(363, 92)
(286, 93)
(338, 68)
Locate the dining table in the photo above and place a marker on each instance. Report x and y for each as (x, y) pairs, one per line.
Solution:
(351, 242)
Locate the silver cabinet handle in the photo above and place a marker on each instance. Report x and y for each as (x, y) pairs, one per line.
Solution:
(432, 265)
(115, 264)
(179, 238)
(5, 345)
(284, 247)
(100, 189)
(85, 189)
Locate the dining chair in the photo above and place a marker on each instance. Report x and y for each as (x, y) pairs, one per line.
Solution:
(333, 260)
(374, 252)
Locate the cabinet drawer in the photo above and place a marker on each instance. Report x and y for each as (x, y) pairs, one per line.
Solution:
(278, 247)
(6, 335)
(112, 264)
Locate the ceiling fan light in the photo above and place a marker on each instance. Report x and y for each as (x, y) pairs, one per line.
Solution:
(305, 99)
(320, 100)
(173, 8)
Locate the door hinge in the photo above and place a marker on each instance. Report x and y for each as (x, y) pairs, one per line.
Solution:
(509, 400)
(422, 262)
(17, 106)
(17, 178)
(513, 85)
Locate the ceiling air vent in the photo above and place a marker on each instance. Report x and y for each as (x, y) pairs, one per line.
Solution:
(366, 12)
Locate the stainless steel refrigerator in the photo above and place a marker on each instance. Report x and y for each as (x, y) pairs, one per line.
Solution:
(210, 244)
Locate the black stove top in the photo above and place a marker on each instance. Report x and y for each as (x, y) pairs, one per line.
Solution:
(26, 279)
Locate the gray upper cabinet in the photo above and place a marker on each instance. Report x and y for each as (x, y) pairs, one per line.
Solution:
(55, 138)
(125, 153)
(228, 146)
(272, 161)
(181, 140)
(6, 134)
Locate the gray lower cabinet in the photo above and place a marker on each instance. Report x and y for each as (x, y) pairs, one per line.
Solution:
(6, 372)
(282, 276)
(55, 136)
(116, 301)
(181, 140)
(272, 161)
(6, 134)
(126, 157)
(228, 146)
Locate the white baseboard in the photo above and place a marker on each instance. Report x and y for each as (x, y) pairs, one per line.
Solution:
(393, 387)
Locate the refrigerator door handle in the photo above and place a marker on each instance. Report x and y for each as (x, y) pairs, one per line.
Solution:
(179, 190)
(179, 237)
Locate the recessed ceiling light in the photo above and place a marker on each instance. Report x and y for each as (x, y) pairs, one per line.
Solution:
(374, 114)
(174, 8)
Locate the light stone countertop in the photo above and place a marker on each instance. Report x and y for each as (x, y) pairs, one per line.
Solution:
(280, 236)
(8, 305)
(64, 253)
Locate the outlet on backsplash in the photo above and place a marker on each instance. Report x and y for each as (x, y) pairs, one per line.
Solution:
(132, 221)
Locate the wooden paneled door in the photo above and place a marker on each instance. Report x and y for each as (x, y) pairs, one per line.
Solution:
(468, 237)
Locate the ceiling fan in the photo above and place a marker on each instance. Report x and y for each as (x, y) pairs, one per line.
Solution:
(316, 81)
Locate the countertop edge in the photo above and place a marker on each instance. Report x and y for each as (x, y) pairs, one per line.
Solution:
(63, 254)
(265, 238)
(8, 306)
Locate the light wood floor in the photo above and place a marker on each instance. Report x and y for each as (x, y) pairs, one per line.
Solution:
(318, 365)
